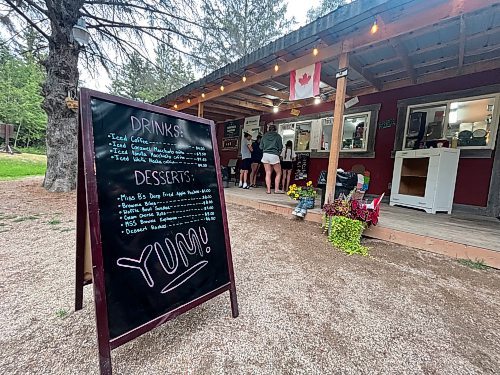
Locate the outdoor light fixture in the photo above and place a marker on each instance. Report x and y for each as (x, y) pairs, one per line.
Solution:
(374, 28)
(221, 87)
(276, 104)
(80, 33)
(276, 67)
(317, 100)
(189, 101)
(203, 95)
(176, 106)
(275, 109)
(315, 51)
(244, 79)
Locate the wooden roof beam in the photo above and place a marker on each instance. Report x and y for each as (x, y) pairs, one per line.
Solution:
(461, 44)
(253, 98)
(402, 53)
(228, 108)
(243, 104)
(271, 92)
(368, 76)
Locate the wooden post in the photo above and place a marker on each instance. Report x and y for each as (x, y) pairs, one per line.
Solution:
(336, 141)
(200, 109)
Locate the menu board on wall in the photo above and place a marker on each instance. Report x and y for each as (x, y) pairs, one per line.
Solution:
(231, 129)
(159, 237)
(302, 165)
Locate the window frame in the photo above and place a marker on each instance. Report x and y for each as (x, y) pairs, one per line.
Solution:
(493, 127)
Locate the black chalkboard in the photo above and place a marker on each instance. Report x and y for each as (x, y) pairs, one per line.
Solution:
(161, 217)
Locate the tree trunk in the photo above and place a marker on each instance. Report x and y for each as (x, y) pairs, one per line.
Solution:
(62, 126)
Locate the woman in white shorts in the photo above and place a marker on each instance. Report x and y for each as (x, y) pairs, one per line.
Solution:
(272, 145)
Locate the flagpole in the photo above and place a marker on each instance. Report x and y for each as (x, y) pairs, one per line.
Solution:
(336, 141)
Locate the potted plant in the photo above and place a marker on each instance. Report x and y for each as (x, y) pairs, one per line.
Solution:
(346, 218)
(304, 194)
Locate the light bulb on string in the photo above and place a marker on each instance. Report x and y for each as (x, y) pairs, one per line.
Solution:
(189, 101)
(244, 78)
(374, 28)
(176, 106)
(276, 67)
(221, 87)
(315, 51)
(203, 95)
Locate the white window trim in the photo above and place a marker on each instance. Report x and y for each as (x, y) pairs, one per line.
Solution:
(365, 136)
(447, 103)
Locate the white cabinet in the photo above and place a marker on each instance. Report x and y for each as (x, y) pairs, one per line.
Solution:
(425, 179)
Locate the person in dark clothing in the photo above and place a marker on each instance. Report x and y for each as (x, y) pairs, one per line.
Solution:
(272, 145)
(256, 160)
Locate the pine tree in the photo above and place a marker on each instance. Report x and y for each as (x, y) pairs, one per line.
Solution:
(325, 7)
(139, 79)
(234, 28)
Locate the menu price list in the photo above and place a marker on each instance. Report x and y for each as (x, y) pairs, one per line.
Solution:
(123, 148)
(147, 211)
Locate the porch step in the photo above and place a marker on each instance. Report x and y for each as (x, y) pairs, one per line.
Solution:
(426, 243)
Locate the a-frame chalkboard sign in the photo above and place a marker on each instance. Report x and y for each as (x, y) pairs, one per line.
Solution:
(151, 214)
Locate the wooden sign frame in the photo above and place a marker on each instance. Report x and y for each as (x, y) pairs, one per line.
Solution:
(88, 229)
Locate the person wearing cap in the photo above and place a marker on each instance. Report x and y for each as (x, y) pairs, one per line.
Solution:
(272, 145)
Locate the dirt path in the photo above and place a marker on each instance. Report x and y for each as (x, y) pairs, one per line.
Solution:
(304, 307)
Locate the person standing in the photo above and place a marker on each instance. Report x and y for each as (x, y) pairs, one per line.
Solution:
(271, 146)
(287, 158)
(256, 158)
(246, 160)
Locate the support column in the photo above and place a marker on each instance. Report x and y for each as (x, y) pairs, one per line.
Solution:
(336, 141)
(200, 109)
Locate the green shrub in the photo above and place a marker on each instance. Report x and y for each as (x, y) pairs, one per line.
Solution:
(345, 234)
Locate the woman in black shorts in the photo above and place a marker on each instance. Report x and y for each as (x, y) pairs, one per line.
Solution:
(256, 158)
(287, 158)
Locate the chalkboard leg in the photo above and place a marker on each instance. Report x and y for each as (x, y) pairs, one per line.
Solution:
(81, 214)
(234, 301)
(105, 360)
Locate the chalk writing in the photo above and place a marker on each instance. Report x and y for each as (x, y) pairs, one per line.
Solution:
(181, 251)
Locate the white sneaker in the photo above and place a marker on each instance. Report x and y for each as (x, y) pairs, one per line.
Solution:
(241, 185)
(245, 186)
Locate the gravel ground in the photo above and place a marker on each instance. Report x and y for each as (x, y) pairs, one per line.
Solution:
(304, 307)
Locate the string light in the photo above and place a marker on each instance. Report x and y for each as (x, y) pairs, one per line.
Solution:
(189, 101)
(276, 67)
(315, 51)
(244, 78)
(176, 106)
(221, 87)
(203, 95)
(374, 28)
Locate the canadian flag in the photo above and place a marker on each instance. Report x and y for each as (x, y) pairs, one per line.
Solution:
(304, 83)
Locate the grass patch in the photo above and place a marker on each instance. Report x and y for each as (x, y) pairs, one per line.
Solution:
(477, 264)
(21, 165)
(62, 313)
(39, 150)
(54, 222)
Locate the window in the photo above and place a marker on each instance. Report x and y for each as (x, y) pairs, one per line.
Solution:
(355, 132)
(287, 132)
(466, 123)
(470, 122)
(302, 136)
(425, 123)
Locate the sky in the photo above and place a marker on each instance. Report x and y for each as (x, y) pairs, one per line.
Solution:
(296, 8)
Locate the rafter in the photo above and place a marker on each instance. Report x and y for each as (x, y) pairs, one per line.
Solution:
(226, 107)
(461, 44)
(243, 104)
(253, 98)
(368, 76)
(269, 91)
(402, 53)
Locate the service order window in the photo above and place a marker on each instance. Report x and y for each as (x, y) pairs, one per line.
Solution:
(470, 123)
(287, 132)
(302, 136)
(354, 132)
